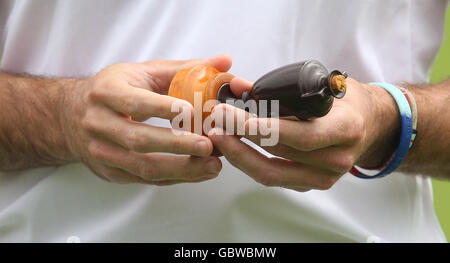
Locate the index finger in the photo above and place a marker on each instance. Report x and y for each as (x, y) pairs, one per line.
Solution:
(142, 104)
(312, 135)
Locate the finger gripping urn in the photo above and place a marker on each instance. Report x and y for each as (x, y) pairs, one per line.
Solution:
(305, 90)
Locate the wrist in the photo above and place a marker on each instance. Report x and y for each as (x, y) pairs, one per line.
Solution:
(430, 141)
(72, 105)
(383, 127)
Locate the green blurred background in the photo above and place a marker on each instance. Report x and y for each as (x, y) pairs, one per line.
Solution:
(441, 71)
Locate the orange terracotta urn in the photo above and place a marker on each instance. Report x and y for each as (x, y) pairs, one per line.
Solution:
(202, 81)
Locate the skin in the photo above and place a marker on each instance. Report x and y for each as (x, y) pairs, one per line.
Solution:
(97, 120)
(361, 129)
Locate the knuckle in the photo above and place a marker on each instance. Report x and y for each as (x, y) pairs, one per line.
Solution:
(161, 109)
(269, 179)
(343, 163)
(234, 155)
(102, 176)
(95, 94)
(186, 171)
(113, 177)
(191, 171)
(282, 151)
(115, 68)
(355, 129)
(95, 150)
(177, 145)
(109, 175)
(309, 145)
(98, 89)
(88, 122)
(135, 141)
(146, 170)
(130, 105)
(327, 183)
(355, 135)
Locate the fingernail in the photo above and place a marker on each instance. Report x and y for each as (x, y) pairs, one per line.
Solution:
(220, 55)
(247, 82)
(201, 147)
(212, 168)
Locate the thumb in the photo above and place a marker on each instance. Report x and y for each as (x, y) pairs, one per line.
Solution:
(165, 70)
(239, 85)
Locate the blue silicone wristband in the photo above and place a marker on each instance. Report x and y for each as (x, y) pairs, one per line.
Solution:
(406, 131)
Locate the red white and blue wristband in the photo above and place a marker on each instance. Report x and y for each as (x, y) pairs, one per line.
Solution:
(413, 106)
(406, 106)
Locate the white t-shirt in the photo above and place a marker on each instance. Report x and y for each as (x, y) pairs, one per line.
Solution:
(390, 40)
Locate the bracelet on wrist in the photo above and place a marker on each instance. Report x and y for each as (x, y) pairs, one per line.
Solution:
(408, 114)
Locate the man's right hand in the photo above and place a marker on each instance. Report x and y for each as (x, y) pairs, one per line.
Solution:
(103, 118)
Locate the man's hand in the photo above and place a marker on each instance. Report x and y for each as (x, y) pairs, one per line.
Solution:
(109, 138)
(360, 129)
(97, 121)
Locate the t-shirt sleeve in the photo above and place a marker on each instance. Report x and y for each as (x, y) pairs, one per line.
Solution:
(6, 7)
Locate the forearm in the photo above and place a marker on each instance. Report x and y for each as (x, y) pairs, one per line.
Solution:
(32, 131)
(430, 154)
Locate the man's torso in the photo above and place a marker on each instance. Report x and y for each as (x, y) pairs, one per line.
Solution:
(389, 41)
